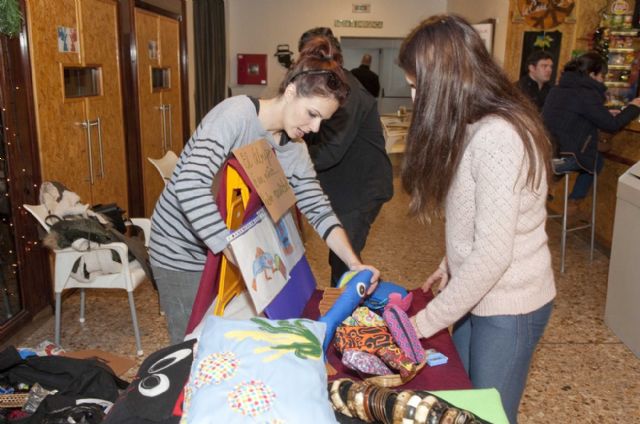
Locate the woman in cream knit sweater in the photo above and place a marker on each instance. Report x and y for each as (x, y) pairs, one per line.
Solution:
(477, 150)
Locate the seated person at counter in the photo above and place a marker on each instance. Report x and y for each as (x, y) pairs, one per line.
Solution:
(574, 112)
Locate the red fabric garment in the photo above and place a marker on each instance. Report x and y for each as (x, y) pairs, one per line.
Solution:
(450, 376)
(210, 282)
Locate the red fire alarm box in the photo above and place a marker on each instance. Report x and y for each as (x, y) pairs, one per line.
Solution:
(252, 69)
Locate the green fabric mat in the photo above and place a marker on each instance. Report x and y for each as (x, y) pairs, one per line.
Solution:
(485, 403)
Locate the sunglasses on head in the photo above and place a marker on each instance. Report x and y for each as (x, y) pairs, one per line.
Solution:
(333, 82)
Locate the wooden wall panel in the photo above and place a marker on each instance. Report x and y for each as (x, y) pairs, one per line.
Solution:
(149, 101)
(62, 144)
(100, 39)
(170, 57)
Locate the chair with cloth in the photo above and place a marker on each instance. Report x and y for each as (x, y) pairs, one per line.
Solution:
(120, 273)
(165, 165)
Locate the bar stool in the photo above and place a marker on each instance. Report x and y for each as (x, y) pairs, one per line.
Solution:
(565, 229)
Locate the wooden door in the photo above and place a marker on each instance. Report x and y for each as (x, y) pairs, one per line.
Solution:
(100, 49)
(150, 102)
(62, 141)
(172, 96)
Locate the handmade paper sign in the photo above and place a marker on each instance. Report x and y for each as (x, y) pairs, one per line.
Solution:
(266, 253)
(267, 176)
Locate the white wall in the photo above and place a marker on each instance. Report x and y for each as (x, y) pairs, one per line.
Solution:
(476, 11)
(258, 26)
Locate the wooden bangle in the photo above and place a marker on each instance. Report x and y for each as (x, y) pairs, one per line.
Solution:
(359, 403)
(351, 398)
(449, 416)
(410, 409)
(336, 401)
(435, 413)
(423, 408)
(401, 404)
(464, 417)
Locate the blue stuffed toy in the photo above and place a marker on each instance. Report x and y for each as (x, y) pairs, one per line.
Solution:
(356, 284)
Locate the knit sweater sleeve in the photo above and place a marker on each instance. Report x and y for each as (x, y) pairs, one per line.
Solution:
(495, 157)
(207, 150)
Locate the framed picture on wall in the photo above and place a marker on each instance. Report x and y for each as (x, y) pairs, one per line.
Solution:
(252, 69)
(486, 31)
(549, 41)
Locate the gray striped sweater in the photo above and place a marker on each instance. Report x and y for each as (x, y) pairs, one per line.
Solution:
(186, 221)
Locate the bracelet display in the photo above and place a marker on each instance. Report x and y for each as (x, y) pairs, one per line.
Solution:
(375, 404)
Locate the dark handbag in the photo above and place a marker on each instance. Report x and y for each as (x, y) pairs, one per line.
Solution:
(113, 213)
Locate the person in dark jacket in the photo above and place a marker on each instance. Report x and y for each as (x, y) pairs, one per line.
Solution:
(367, 77)
(349, 156)
(574, 112)
(536, 83)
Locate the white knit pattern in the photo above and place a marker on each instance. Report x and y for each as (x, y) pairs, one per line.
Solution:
(496, 243)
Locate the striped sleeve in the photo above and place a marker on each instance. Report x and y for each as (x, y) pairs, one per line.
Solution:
(193, 186)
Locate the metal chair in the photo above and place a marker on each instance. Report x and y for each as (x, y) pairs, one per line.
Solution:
(565, 229)
(165, 165)
(128, 278)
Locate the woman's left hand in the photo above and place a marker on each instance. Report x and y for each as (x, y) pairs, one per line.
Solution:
(374, 278)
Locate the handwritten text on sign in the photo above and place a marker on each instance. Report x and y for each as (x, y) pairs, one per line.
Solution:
(261, 165)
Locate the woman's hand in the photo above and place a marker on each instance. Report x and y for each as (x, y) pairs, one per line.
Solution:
(374, 278)
(440, 275)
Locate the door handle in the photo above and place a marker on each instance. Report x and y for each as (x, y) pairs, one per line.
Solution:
(98, 123)
(164, 129)
(87, 126)
(169, 143)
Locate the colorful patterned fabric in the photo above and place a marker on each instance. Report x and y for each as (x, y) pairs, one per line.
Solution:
(367, 339)
(403, 333)
(365, 316)
(364, 362)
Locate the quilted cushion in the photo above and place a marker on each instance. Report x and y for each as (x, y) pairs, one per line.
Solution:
(243, 372)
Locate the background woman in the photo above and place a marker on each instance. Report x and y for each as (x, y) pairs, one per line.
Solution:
(186, 221)
(574, 112)
(477, 150)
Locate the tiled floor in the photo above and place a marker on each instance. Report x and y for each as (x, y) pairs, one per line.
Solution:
(581, 371)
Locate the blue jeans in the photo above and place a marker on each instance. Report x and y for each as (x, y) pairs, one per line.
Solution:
(496, 351)
(583, 180)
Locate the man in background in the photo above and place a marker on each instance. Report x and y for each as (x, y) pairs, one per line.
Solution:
(536, 83)
(367, 77)
(349, 155)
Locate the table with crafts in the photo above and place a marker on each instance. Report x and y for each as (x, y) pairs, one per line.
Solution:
(449, 381)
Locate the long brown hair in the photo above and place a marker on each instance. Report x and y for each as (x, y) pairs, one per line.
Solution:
(457, 83)
(318, 71)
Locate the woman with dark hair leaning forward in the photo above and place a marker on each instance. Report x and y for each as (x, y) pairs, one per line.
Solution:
(477, 151)
(186, 221)
(573, 114)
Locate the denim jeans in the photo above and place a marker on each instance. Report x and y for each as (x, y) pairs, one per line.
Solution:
(177, 291)
(496, 351)
(583, 180)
